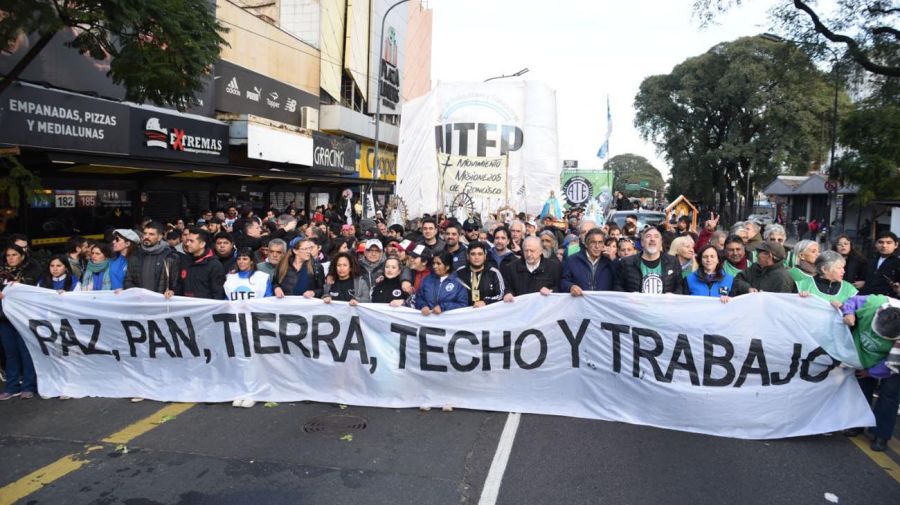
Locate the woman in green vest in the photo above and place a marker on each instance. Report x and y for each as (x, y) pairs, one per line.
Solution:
(828, 283)
(806, 252)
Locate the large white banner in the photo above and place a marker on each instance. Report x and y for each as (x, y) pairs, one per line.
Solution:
(516, 119)
(754, 368)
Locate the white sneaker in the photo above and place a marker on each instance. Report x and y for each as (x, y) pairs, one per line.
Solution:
(136, 400)
(447, 408)
(237, 403)
(247, 404)
(424, 408)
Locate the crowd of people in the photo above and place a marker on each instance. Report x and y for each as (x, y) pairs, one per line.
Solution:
(437, 264)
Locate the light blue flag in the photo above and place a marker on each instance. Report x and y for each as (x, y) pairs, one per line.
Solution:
(604, 149)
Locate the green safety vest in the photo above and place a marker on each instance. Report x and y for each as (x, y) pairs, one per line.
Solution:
(809, 285)
(731, 269)
(799, 275)
(870, 346)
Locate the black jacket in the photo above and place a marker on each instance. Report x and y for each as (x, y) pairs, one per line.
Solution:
(315, 284)
(631, 280)
(388, 290)
(491, 287)
(773, 279)
(855, 269)
(519, 281)
(156, 272)
(203, 277)
(877, 277)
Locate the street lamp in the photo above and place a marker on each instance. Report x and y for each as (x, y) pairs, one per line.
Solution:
(375, 168)
(517, 74)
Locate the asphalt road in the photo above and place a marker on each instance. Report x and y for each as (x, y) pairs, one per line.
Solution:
(106, 451)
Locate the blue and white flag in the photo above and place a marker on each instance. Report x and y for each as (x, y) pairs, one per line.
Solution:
(604, 149)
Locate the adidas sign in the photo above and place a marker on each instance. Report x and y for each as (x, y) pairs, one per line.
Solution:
(232, 87)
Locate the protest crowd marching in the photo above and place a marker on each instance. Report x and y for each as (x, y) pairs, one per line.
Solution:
(437, 264)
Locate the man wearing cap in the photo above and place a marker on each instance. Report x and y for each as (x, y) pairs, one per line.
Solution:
(154, 266)
(225, 251)
(454, 246)
(767, 274)
(471, 228)
(124, 245)
(371, 264)
(419, 256)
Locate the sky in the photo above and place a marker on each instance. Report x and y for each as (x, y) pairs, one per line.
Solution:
(585, 50)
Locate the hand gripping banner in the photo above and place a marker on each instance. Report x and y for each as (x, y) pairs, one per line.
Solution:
(761, 366)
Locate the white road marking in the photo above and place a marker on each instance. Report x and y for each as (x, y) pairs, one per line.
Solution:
(491, 488)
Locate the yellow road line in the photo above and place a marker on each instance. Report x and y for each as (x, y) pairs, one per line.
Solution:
(39, 478)
(146, 424)
(881, 459)
(65, 465)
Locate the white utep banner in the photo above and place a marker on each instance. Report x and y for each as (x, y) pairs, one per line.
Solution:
(500, 118)
(754, 368)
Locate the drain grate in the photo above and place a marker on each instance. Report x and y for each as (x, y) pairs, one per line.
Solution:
(335, 424)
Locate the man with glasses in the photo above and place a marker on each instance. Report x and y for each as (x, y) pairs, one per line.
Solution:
(589, 269)
(653, 271)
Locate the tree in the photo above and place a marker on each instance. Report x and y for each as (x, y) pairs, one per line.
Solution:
(735, 117)
(865, 31)
(634, 169)
(872, 136)
(159, 50)
(17, 183)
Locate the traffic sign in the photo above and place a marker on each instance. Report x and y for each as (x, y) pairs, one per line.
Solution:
(632, 187)
(831, 186)
(645, 184)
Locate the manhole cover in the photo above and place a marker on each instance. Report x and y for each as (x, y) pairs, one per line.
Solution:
(335, 424)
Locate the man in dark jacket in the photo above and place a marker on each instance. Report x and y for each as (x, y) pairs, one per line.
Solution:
(532, 273)
(883, 271)
(483, 281)
(588, 269)
(202, 275)
(225, 251)
(767, 274)
(155, 266)
(652, 271)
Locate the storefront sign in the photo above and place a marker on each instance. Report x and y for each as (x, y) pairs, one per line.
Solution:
(387, 162)
(156, 134)
(39, 117)
(385, 57)
(87, 198)
(65, 198)
(244, 91)
(114, 198)
(333, 154)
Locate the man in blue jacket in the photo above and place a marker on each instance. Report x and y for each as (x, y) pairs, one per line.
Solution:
(589, 269)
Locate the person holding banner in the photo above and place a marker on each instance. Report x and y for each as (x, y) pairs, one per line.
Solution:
(484, 283)
(390, 288)
(652, 271)
(441, 291)
(348, 285)
(21, 379)
(298, 274)
(202, 274)
(245, 282)
(97, 275)
(767, 274)
(828, 283)
(589, 269)
(154, 266)
(59, 276)
(532, 273)
(710, 279)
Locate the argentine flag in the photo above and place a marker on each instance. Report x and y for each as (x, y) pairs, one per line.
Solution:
(604, 149)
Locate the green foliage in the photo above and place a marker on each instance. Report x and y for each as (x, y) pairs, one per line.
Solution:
(632, 169)
(864, 32)
(872, 135)
(16, 182)
(752, 108)
(160, 50)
